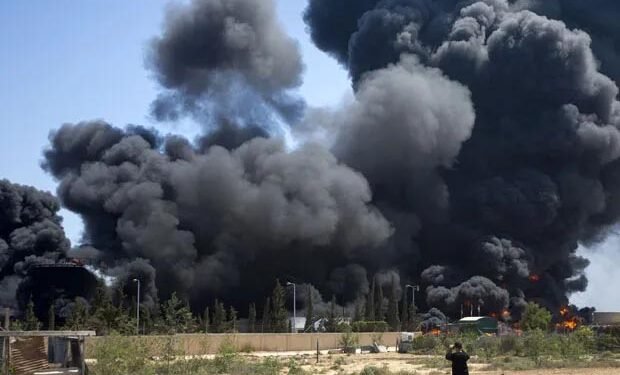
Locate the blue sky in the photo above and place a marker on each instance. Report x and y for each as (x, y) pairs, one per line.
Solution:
(68, 61)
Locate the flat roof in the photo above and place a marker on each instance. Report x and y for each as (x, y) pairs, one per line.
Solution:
(46, 333)
(474, 318)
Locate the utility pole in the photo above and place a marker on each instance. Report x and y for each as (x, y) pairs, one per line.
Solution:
(294, 325)
(414, 288)
(138, 308)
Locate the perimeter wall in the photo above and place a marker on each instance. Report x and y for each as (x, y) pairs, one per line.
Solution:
(198, 344)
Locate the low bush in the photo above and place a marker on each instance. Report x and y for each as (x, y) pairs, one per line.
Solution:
(425, 344)
(370, 326)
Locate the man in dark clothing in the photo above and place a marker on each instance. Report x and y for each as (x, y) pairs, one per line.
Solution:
(459, 359)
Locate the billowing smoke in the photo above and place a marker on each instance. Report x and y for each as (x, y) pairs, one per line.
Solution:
(210, 223)
(31, 236)
(496, 200)
(480, 147)
(433, 319)
(214, 57)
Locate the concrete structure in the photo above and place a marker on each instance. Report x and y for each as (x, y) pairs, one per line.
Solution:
(298, 323)
(197, 344)
(29, 352)
(606, 319)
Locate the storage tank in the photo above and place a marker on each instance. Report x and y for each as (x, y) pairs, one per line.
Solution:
(478, 324)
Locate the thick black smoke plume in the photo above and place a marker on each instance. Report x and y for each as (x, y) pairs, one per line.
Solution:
(31, 240)
(501, 211)
(481, 147)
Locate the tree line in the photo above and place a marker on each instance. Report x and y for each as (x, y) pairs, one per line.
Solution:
(110, 310)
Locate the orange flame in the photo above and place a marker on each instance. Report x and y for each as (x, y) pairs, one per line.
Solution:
(534, 278)
(570, 323)
(435, 332)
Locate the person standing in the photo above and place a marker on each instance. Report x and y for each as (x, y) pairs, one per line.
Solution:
(459, 359)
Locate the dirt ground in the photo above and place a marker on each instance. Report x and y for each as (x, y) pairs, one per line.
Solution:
(345, 364)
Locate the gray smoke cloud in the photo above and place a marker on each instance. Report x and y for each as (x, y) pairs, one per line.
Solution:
(433, 319)
(418, 119)
(204, 220)
(215, 56)
(477, 291)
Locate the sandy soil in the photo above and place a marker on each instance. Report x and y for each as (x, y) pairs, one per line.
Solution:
(339, 364)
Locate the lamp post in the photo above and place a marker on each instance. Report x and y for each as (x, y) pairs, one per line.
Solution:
(138, 309)
(414, 288)
(294, 325)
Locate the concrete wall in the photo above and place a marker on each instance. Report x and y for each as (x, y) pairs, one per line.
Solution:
(607, 318)
(197, 344)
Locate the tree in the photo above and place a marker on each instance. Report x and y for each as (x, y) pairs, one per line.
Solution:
(31, 323)
(219, 317)
(177, 316)
(232, 319)
(535, 317)
(379, 315)
(51, 318)
(392, 313)
(331, 325)
(358, 313)
(414, 319)
(207, 319)
(78, 317)
(104, 316)
(370, 303)
(404, 312)
(309, 311)
(252, 318)
(266, 323)
(279, 315)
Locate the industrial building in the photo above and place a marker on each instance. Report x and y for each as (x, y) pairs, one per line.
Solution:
(476, 324)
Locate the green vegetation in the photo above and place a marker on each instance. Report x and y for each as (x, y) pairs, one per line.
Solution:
(279, 314)
(536, 348)
(535, 317)
(308, 326)
(349, 340)
(30, 322)
(393, 319)
(122, 355)
(370, 326)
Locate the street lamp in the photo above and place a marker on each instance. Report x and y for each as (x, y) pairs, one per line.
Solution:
(138, 309)
(414, 288)
(294, 325)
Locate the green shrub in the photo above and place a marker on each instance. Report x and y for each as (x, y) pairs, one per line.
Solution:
(369, 326)
(511, 345)
(121, 355)
(535, 317)
(295, 369)
(535, 345)
(349, 340)
(487, 347)
(226, 357)
(372, 370)
(607, 342)
(426, 344)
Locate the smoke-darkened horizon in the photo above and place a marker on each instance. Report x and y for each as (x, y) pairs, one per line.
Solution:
(481, 147)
